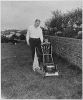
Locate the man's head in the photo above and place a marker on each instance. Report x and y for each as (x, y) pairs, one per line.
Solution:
(37, 22)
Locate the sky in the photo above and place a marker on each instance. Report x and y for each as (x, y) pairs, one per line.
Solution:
(21, 14)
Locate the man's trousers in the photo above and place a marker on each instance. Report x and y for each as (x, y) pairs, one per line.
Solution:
(36, 43)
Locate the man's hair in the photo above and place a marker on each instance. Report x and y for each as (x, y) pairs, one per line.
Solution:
(37, 20)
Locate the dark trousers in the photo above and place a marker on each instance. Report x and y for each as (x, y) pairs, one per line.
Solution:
(36, 43)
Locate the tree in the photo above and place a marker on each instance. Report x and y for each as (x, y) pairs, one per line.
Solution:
(65, 22)
(55, 21)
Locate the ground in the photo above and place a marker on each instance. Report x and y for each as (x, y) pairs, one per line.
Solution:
(19, 81)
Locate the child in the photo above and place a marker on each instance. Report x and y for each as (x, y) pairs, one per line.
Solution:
(46, 49)
(46, 40)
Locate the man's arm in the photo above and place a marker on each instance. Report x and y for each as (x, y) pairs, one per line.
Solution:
(41, 36)
(27, 36)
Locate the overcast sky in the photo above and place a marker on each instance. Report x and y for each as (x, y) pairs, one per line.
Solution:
(21, 14)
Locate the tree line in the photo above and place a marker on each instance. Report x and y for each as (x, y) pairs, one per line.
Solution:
(66, 25)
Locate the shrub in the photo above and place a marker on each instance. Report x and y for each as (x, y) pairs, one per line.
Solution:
(4, 39)
(22, 37)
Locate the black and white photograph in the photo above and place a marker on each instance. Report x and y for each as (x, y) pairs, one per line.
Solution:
(41, 49)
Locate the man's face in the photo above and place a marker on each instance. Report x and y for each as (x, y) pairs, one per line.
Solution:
(37, 23)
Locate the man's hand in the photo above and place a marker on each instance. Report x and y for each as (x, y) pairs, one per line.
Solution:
(41, 43)
(28, 43)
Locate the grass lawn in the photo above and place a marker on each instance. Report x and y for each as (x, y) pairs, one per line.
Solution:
(19, 81)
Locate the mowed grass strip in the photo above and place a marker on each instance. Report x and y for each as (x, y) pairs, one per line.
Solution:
(19, 81)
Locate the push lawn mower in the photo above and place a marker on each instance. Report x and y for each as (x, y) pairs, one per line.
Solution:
(48, 67)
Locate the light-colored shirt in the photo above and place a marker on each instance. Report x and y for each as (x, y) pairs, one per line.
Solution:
(34, 33)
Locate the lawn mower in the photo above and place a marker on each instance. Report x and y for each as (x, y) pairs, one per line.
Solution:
(48, 67)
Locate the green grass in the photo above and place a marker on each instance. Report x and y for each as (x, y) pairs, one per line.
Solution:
(19, 81)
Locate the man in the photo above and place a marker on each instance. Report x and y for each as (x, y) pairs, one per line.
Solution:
(34, 38)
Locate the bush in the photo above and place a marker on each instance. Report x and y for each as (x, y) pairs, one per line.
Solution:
(14, 39)
(79, 35)
(4, 39)
(68, 32)
(22, 37)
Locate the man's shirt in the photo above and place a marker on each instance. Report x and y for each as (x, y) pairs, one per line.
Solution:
(34, 33)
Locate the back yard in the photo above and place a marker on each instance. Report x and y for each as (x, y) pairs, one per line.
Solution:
(18, 81)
